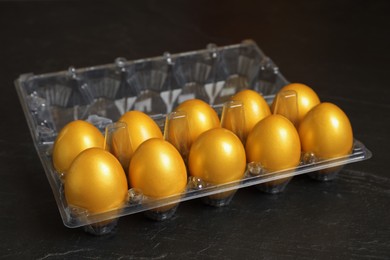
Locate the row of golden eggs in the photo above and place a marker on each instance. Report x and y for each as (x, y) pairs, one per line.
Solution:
(216, 155)
(324, 129)
(94, 180)
(156, 167)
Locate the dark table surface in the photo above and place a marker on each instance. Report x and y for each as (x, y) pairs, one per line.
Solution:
(340, 48)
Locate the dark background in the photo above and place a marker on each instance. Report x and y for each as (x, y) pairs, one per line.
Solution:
(340, 49)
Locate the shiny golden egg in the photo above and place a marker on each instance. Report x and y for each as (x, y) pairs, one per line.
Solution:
(140, 127)
(274, 143)
(217, 156)
(96, 182)
(157, 169)
(255, 108)
(326, 131)
(200, 118)
(74, 138)
(306, 98)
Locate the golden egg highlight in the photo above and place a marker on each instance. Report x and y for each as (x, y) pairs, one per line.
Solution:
(140, 127)
(306, 98)
(255, 108)
(157, 169)
(96, 182)
(74, 138)
(326, 131)
(200, 118)
(217, 156)
(274, 143)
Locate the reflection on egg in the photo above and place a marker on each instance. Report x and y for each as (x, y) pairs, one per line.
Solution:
(74, 138)
(255, 109)
(140, 128)
(157, 169)
(306, 98)
(326, 132)
(217, 156)
(96, 182)
(274, 143)
(200, 117)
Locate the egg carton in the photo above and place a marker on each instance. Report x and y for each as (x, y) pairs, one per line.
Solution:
(101, 94)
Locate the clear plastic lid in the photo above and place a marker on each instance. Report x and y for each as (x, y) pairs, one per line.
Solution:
(101, 94)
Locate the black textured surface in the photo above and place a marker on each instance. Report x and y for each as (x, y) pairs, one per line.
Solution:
(339, 48)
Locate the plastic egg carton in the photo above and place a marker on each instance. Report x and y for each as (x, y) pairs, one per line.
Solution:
(101, 94)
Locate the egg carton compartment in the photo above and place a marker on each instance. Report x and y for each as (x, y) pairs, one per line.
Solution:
(155, 86)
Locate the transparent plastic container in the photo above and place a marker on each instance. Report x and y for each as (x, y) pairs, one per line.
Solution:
(101, 94)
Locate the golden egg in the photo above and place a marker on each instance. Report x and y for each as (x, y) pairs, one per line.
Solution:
(217, 156)
(326, 132)
(157, 169)
(306, 98)
(140, 127)
(74, 138)
(274, 143)
(255, 108)
(200, 117)
(96, 182)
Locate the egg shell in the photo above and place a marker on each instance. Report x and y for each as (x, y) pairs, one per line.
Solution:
(255, 108)
(74, 138)
(140, 127)
(217, 156)
(307, 98)
(96, 182)
(200, 118)
(157, 169)
(274, 143)
(326, 131)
